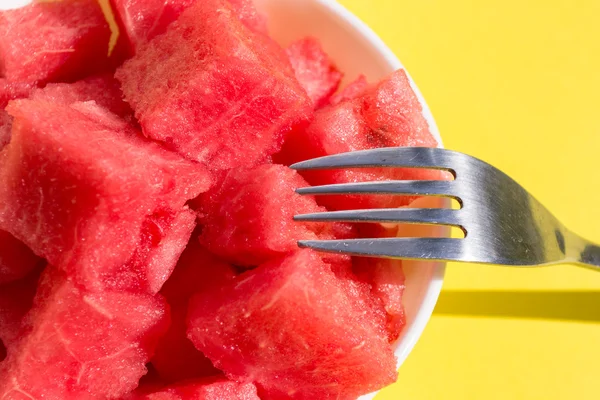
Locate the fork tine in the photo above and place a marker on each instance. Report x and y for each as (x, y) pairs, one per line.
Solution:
(434, 216)
(421, 188)
(409, 248)
(406, 157)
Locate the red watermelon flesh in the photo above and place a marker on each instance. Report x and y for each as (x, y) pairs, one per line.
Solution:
(103, 89)
(16, 259)
(5, 128)
(13, 90)
(315, 71)
(16, 298)
(10, 91)
(213, 90)
(82, 345)
(387, 115)
(53, 41)
(248, 216)
(176, 358)
(84, 191)
(289, 326)
(352, 91)
(204, 389)
(386, 279)
(144, 19)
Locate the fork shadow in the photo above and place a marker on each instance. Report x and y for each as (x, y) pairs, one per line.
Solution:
(582, 306)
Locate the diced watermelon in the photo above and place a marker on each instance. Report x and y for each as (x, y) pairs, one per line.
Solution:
(16, 259)
(248, 216)
(82, 345)
(360, 293)
(290, 327)
(53, 41)
(84, 191)
(247, 13)
(176, 358)
(10, 91)
(144, 19)
(5, 128)
(352, 91)
(103, 89)
(16, 298)
(213, 90)
(315, 71)
(197, 271)
(13, 90)
(387, 286)
(387, 115)
(206, 389)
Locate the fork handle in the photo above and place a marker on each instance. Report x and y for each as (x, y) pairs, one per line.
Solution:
(590, 256)
(583, 252)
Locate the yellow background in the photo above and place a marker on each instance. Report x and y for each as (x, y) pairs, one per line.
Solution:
(516, 83)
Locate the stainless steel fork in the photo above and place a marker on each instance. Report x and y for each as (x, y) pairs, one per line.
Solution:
(502, 222)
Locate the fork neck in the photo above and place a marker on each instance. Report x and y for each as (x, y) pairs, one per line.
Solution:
(582, 251)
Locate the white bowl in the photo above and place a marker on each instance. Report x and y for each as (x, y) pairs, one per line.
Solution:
(357, 49)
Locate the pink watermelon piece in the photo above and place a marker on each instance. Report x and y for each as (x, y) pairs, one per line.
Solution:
(387, 115)
(5, 128)
(82, 345)
(213, 90)
(104, 89)
(13, 90)
(53, 41)
(315, 71)
(176, 358)
(248, 216)
(16, 299)
(204, 389)
(352, 91)
(16, 259)
(290, 327)
(142, 20)
(386, 279)
(82, 189)
(10, 91)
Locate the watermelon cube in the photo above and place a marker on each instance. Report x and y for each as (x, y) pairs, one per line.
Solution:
(5, 128)
(13, 90)
(213, 90)
(16, 299)
(104, 89)
(315, 71)
(205, 389)
(386, 280)
(53, 41)
(386, 115)
(10, 91)
(290, 327)
(82, 189)
(82, 345)
(176, 358)
(352, 91)
(248, 215)
(16, 259)
(141, 20)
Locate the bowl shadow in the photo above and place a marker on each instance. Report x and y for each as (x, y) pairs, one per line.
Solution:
(575, 306)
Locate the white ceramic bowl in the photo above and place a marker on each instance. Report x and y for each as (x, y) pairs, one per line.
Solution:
(357, 49)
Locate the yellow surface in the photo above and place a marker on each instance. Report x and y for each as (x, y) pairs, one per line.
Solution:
(516, 83)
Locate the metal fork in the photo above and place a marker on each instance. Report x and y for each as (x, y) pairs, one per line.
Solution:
(502, 222)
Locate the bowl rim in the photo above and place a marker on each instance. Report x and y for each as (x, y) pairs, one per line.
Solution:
(415, 329)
